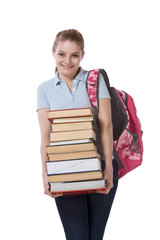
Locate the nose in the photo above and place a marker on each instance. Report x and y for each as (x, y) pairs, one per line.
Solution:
(67, 60)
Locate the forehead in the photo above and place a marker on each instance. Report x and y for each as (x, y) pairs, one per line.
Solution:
(68, 46)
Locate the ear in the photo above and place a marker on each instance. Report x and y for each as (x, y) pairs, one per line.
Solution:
(83, 54)
(53, 53)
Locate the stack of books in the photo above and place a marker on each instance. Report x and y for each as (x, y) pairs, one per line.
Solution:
(74, 165)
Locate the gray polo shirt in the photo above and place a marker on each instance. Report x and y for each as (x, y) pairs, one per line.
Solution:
(55, 94)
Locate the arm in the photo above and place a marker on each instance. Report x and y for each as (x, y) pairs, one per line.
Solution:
(45, 128)
(105, 121)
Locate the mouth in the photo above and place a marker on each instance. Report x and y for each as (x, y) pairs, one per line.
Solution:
(66, 66)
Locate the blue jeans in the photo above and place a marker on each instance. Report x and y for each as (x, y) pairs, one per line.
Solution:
(84, 217)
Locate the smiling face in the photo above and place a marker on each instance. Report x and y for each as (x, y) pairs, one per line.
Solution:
(68, 55)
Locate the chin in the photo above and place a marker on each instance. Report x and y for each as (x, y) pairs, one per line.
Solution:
(66, 71)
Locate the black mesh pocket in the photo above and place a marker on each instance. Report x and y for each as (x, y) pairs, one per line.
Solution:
(119, 116)
(135, 145)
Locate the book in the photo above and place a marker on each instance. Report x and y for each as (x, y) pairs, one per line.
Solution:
(73, 166)
(76, 192)
(72, 119)
(77, 147)
(71, 126)
(75, 176)
(72, 155)
(80, 141)
(64, 113)
(72, 135)
(78, 187)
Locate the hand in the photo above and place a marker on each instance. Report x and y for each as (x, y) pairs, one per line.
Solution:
(46, 187)
(108, 176)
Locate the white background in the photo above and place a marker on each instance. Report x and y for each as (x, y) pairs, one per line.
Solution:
(120, 36)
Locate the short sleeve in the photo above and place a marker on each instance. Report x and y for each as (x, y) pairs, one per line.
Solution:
(42, 101)
(103, 90)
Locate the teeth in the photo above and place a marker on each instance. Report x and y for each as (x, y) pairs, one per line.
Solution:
(66, 66)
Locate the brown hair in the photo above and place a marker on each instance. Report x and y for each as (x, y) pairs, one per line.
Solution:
(71, 35)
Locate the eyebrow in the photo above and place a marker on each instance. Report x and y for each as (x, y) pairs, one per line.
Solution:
(71, 53)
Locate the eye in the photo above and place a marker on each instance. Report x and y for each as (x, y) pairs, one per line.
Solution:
(75, 55)
(61, 54)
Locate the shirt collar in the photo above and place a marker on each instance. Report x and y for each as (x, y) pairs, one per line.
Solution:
(80, 76)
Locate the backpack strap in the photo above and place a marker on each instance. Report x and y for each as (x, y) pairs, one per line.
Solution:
(93, 87)
(105, 76)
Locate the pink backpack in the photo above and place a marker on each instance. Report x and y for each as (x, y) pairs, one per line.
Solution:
(127, 134)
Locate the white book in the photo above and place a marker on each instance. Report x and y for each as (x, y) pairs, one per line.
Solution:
(70, 142)
(73, 166)
(81, 185)
(72, 119)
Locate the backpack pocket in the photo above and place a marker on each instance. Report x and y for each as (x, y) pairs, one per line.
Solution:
(128, 150)
(135, 144)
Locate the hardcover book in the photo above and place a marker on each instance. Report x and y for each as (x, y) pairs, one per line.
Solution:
(78, 187)
(72, 135)
(67, 142)
(71, 126)
(67, 177)
(70, 120)
(72, 155)
(77, 147)
(64, 113)
(72, 166)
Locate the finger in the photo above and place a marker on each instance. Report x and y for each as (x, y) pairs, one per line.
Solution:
(47, 192)
(109, 187)
(58, 195)
(102, 191)
(105, 177)
(53, 195)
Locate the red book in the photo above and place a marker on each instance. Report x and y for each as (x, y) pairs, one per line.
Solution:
(87, 191)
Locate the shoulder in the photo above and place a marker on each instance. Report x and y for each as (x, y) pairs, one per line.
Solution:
(82, 75)
(43, 93)
(46, 84)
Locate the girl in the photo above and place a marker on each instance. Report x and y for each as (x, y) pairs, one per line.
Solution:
(84, 216)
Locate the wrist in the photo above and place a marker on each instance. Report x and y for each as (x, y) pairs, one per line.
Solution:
(44, 172)
(108, 162)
